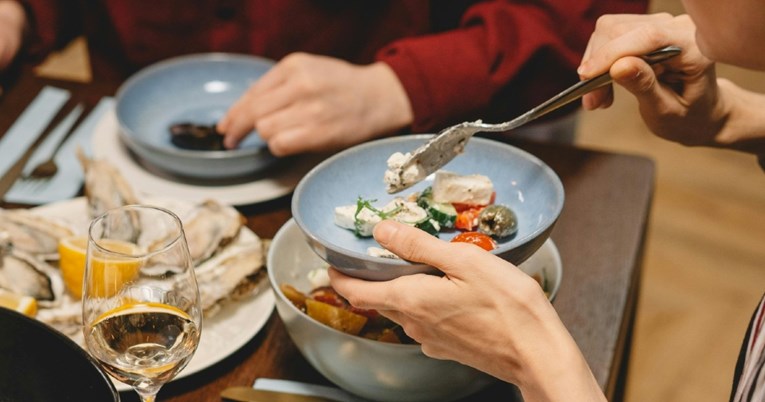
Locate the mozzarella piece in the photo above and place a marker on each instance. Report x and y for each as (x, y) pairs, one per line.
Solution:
(318, 277)
(396, 178)
(408, 212)
(382, 253)
(474, 189)
(345, 217)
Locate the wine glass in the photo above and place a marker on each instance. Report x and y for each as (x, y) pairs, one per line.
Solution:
(141, 311)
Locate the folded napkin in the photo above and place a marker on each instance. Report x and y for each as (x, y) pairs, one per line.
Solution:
(300, 388)
(30, 125)
(68, 180)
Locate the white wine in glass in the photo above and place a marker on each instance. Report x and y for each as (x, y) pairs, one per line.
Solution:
(141, 311)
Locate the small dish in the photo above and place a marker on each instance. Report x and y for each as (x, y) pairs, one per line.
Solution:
(196, 89)
(521, 181)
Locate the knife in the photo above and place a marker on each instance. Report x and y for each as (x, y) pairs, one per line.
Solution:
(249, 394)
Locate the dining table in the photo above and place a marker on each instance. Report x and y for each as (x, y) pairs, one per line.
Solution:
(600, 235)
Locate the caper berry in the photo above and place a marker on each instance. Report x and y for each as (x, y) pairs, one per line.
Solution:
(498, 221)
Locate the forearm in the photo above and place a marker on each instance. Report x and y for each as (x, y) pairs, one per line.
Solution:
(744, 128)
(12, 13)
(502, 59)
(12, 26)
(556, 370)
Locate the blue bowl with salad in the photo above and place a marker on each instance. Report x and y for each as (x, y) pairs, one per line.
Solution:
(493, 194)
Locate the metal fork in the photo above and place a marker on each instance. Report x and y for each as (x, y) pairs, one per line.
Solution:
(48, 168)
(451, 141)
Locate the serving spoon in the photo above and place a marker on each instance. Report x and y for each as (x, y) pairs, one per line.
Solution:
(451, 141)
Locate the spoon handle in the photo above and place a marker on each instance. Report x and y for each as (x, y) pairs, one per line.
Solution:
(578, 90)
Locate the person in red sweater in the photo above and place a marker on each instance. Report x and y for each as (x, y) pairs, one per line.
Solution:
(348, 71)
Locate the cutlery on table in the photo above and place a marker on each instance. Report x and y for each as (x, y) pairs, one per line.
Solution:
(451, 141)
(249, 394)
(41, 166)
(26, 134)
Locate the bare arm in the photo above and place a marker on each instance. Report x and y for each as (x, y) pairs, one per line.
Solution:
(12, 22)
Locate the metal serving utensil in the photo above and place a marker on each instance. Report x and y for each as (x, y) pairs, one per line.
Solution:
(451, 141)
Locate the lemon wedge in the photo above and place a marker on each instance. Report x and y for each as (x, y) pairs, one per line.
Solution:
(109, 275)
(26, 305)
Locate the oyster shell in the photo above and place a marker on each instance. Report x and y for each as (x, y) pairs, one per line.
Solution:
(105, 188)
(209, 228)
(65, 317)
(24, 274)
(231, 275)
(32, 233)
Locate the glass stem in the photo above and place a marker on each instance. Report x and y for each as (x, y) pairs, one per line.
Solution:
(148, 395)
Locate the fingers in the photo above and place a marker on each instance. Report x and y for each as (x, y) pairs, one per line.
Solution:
(414, 244)
(394, 295)
(620, 36)
(640, 79)
(600, 98)
(617, 36)
(265, 96)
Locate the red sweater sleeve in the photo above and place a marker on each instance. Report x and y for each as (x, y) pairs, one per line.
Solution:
(53, 23)
(504, 58)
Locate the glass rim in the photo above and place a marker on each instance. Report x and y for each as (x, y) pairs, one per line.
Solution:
(175, 239)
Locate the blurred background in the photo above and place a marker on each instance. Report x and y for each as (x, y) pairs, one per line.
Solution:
(704, 263)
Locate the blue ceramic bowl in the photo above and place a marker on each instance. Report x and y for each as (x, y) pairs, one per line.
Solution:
(197, 89)
(521, 181)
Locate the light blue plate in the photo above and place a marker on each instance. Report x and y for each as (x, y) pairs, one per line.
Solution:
(198, 89)
(522, 182)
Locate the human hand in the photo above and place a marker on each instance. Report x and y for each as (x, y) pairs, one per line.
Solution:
(679, 99)
(12, 19)
(316, 103)
(485, 313)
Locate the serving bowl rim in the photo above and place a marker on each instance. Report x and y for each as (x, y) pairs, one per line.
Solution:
(130, 135)
(557, 185)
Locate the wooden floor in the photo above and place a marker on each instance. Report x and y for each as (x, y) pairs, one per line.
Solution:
(704, 267)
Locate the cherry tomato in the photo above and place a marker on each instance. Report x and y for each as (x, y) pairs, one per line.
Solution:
(326, 294)
(460, 207)
(479, 239)
(468, 218)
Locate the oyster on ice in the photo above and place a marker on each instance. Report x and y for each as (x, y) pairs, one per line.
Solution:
(32, 233)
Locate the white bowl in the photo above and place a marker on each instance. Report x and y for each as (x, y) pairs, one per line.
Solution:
(374, 370)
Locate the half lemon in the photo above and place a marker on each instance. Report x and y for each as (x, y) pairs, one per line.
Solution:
(109, 274)
(26, 305)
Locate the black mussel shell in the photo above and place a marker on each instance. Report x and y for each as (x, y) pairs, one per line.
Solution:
(196, 137)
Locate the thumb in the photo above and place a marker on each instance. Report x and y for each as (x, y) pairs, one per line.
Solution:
(639, 78)
(416, 245)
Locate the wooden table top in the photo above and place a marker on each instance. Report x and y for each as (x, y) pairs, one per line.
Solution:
(599, 235)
